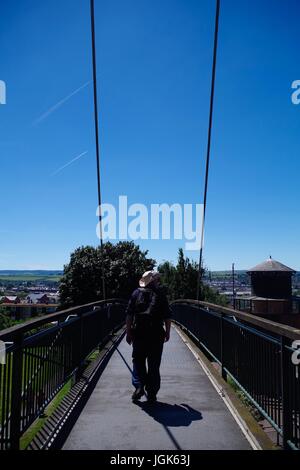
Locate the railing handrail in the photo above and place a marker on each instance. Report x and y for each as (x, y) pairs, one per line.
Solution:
(16, 330)
(277, 328)
(259, 363)
(43, 354)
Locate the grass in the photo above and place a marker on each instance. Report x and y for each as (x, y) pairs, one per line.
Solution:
(31, 432)
(29, 435)
(244, 399)
(38, 368)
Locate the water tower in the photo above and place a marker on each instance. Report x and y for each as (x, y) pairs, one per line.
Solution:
(271, 288)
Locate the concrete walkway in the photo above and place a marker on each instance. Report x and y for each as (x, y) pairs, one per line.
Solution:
(189, 415)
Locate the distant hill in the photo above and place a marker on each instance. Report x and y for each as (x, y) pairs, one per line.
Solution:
(20, 272)
(239, 271)
(13, 276)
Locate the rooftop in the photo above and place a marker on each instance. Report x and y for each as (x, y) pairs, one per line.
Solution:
(271, 265)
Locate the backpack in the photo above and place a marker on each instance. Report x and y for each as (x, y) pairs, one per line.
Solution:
(144, 308)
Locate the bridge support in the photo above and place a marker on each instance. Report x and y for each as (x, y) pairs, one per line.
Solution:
(285, 393)
(16, 398)
(224, 373)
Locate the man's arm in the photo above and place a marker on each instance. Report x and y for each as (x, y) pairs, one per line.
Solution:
(129, 317)
(167, 313)
(128, 329)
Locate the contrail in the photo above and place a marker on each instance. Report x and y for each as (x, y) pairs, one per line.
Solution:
(59, 104)
(69, 163)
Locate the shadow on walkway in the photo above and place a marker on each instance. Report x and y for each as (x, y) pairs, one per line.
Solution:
(171, 415)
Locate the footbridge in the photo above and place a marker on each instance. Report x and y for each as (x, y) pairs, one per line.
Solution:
(227, 378)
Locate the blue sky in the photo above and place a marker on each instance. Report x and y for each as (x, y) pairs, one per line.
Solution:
(154, 66)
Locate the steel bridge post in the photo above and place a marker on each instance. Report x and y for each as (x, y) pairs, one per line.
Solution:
(222, 340)
(285, 393)
(80, 360)
(16, 390)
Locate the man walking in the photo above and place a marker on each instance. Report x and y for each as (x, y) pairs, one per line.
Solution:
(147, 312)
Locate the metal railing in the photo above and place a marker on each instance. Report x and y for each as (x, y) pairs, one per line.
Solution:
(283, 307)
(259, 355)
(42, 355)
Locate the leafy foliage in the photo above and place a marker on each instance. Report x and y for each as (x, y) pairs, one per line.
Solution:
(182, 281)
(6, 321)
(124, 263)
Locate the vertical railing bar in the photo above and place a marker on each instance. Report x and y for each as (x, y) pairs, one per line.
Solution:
(50, 371)
(16, 387)
(3, 369)
(286, 409)
(269, 381)
(41, 391)
(263, 375)
(9, 392)
(222, 339)
(24, 376)
(34, 383)
(55, 358)
(27, 389)
(47, 359)
(40, 397)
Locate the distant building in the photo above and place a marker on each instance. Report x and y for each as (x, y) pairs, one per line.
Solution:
(271, 279)
(10, 299)
(271, 290)
(40, 298)
(53, 297)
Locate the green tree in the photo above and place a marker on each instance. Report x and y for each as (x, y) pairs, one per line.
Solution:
(186, 277)
(168, 277)
(5, 320)
(124, 263)
(182, 281)
(213, 297)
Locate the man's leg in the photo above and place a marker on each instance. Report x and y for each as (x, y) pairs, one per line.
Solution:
(153, 377)
(136, 382)
(139, 364)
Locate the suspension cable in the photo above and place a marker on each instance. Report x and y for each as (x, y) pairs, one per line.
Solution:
(92, 8)
(212, 93)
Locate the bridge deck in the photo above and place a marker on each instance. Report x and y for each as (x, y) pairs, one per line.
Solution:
(189, 415)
